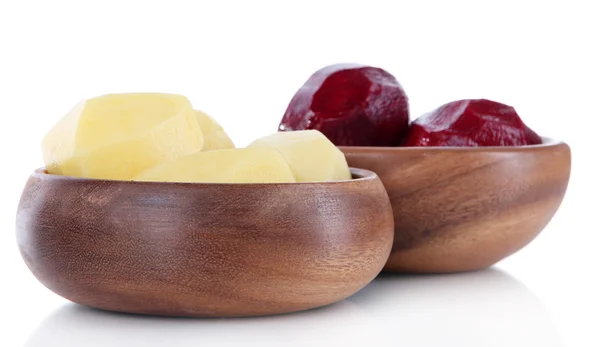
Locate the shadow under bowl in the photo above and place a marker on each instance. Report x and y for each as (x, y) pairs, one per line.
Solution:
(466, 208)
(187, 249)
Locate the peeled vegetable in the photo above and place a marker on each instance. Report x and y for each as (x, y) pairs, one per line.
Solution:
(310, 155)
(351, 104)
(161, 137)
(470, 123)
(214, 135)
(240, 165)
(116, 136)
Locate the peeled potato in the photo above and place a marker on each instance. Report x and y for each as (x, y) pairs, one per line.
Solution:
(310, 155)
(214, 135)
(116, 136)
(238, 165)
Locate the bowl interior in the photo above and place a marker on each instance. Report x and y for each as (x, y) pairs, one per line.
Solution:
(358, 174)
(546, 142)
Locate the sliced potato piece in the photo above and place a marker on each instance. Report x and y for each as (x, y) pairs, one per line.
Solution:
(116, 136)
(214, 135)
(238, 165)
(310, 155)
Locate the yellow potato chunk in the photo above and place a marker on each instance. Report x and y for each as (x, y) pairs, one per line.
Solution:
(214, 135)
(310, 155)
(238, 165)
(116, 136)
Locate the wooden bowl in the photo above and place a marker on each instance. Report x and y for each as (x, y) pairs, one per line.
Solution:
(461, 209)
(185, 249)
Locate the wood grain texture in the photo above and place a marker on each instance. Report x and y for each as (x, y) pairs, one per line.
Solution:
(461, 209)
(204, 249)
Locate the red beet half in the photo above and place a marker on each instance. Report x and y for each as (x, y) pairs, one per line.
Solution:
(471, 123)
(352, 105)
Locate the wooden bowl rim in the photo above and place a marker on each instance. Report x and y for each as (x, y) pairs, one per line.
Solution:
(547, 143)
(358, 175)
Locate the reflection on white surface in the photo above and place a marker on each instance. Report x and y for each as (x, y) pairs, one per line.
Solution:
(487, 308)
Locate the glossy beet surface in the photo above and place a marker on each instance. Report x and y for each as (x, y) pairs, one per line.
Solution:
(470, 123)
(353, 105)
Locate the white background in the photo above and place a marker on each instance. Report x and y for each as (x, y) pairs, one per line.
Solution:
(241, 62)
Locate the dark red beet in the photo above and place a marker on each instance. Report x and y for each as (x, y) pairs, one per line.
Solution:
(352, 105)
(478, 122)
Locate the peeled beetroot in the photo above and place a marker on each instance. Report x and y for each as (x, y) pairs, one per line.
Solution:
(478, 122)
(352, 105)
